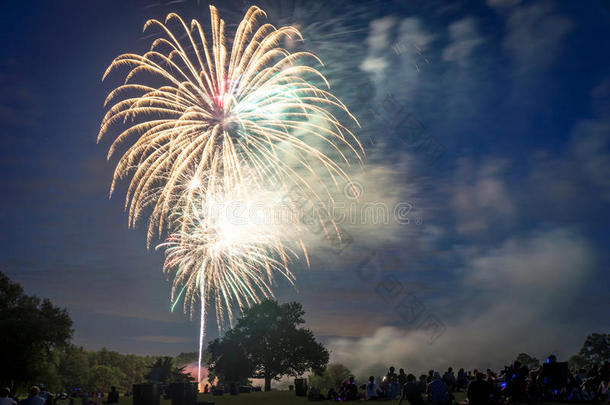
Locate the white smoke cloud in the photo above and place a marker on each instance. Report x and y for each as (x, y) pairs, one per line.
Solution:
(510, 299)
(480, 195)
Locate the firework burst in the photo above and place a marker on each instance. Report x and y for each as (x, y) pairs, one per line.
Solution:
(189, 102)
(205, 130)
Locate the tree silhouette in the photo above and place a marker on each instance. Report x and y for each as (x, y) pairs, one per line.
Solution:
(228, 359)
(165, 371)
(596, 349)
(32, 329)
(267, 343)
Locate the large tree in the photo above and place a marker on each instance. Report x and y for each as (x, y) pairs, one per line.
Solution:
(596, 349)
(271, 344)
(31, 330)
(228, 359)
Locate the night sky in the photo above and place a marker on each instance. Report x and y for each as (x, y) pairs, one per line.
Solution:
(506, 245)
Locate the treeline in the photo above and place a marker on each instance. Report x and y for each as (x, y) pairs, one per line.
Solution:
(36, 349)
(74, 367)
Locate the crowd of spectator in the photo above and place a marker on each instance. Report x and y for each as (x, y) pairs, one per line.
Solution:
(553, 381)
(37, 395)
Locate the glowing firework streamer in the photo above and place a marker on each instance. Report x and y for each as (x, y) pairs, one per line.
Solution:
(227, 250)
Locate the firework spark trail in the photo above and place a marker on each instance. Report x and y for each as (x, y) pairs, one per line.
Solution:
(225, 252)
(228, 239)
(202, 127)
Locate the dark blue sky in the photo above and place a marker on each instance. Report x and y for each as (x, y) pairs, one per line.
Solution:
(506, 247)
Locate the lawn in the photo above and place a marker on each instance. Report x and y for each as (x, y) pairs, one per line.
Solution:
(260, 398)
(270, 398)
(255, 398)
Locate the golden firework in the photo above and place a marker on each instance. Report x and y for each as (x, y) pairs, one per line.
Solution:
(190, 105)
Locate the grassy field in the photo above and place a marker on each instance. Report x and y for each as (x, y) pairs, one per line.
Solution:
(261, 398)
(275, 398)
(255, 398)
(270, 398)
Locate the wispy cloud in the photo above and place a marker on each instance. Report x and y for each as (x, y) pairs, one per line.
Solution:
(156, 316)
(535, 34)
(165, 339)
(378, 40)
(503, 4)
(464, 39)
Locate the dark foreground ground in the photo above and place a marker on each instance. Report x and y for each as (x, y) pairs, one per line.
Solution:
(268, 398)
(255, 398)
